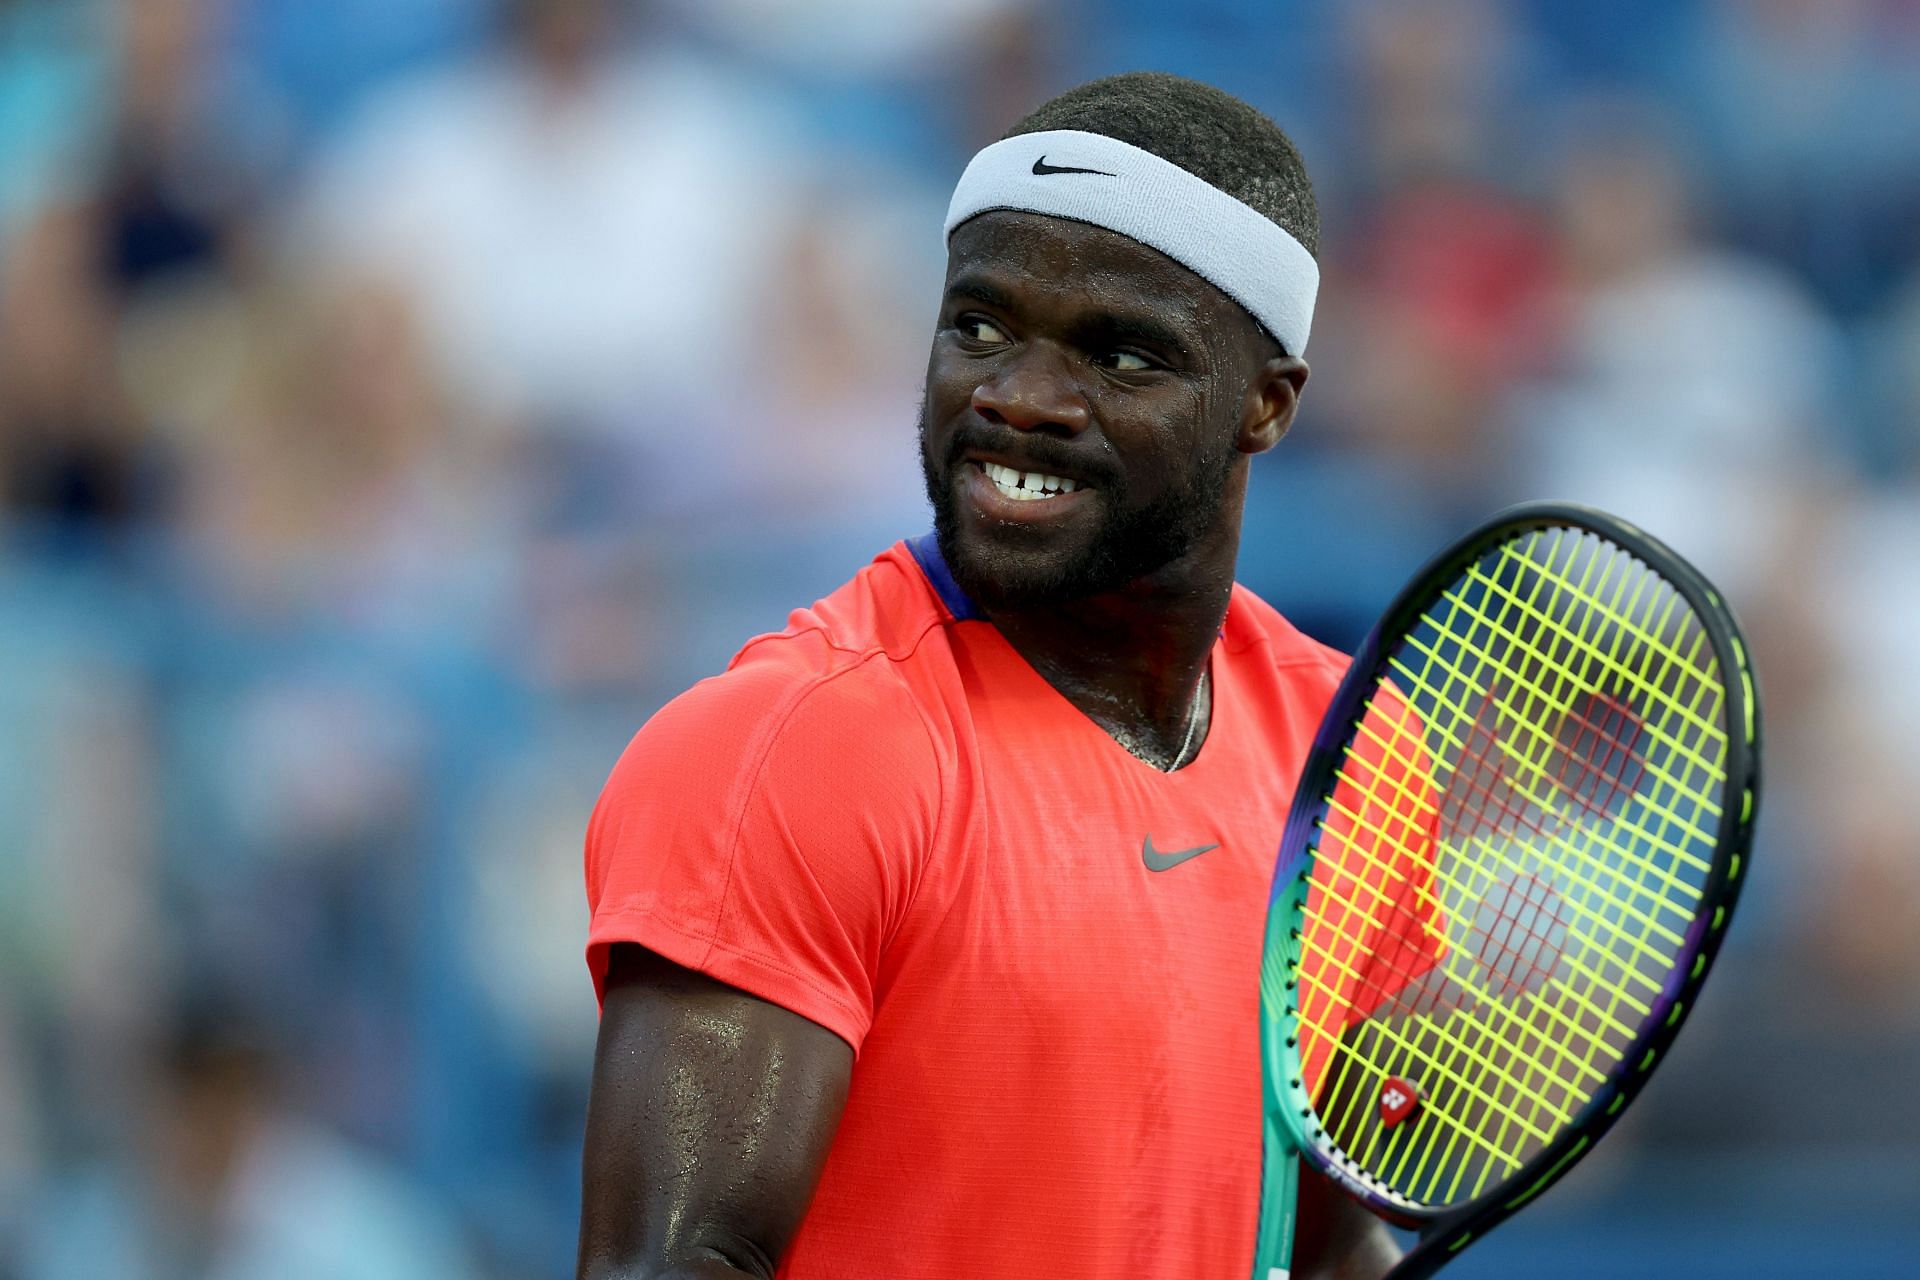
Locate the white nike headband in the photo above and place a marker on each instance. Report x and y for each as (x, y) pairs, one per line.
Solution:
(1089, 177)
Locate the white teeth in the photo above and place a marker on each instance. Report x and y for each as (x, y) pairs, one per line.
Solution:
(1029, 486)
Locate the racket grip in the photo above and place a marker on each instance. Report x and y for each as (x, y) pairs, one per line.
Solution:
(1279, 1199)
(1420, 1262)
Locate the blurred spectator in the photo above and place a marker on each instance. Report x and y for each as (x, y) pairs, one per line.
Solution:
(585, 226)
(1893, 362)
(1695, 383)
(1431, 92)
(318, 61)
(322, 462)
(1812, 127)
(848, 38)
(844, 340)
(1620, 42)
(19, 1138)
(224, 1182)
(161, 190)
(916, 85)
(188, 146)
(1446, 298)
(1437, 283)
(70, 450)
(53, 72)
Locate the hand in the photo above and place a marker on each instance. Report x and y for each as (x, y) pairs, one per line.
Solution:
(1337, 1238)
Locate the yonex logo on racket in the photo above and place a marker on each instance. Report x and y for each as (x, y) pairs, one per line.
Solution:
(1399, 1098)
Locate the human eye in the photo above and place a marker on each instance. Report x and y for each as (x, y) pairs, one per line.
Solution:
(1124, 361)
(980, 329)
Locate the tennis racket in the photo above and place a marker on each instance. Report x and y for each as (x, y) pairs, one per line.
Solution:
(1510, 862)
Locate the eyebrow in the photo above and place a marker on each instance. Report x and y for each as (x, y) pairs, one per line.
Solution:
(980, 290)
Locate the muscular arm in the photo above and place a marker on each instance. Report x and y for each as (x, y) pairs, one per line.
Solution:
(709, 1122)
(1339, 1240)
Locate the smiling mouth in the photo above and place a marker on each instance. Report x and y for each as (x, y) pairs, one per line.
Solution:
(1026, 486)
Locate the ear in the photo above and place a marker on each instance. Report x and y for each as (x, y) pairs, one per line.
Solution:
(1273, 398)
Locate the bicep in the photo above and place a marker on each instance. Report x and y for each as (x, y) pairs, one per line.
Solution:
(709, 1121)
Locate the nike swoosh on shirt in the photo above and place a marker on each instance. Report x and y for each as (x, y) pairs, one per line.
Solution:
(1157, 861)
(1042, 168)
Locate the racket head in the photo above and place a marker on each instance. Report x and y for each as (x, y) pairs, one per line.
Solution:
(1510, 949)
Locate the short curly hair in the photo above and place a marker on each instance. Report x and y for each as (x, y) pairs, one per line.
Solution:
(1206, 131)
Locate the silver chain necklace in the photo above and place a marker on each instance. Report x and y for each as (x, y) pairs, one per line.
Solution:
(1181, 758)
(1193, 725)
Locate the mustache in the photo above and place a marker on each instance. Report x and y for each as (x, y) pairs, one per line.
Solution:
(1042, 452)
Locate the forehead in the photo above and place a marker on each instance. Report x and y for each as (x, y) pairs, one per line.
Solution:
(1039, 259)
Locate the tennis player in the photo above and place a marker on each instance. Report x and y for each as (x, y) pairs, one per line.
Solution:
(927, 936)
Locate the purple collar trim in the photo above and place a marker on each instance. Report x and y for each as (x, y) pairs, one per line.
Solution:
(926, 550)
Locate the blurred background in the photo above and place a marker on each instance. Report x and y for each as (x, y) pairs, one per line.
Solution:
(400, 399)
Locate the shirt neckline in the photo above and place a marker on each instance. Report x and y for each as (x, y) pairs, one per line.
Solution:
(925, 550)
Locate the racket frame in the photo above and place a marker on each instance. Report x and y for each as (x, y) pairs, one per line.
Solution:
(1445, 1231)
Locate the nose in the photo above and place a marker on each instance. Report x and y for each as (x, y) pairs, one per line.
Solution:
(1033, 391)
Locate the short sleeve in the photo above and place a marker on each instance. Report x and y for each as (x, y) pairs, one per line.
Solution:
(768, 829)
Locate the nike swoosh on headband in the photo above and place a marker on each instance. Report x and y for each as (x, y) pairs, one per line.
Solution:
(1042, 168)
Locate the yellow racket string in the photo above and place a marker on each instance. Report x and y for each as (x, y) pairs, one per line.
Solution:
(1454, 602)
(1510, 1121)
(1500, 1018)
(1624, 905)
(1611, 663)
(1536, 1093)
(1442, 1033)
(1537, 793)
(1523, 724)
(1702, 685)
(1610, 604)
(1392, 748)
(1570, 960)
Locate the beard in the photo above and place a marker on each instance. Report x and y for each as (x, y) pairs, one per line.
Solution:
(1130, 541)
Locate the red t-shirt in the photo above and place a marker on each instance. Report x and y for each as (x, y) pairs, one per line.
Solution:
(885, 820)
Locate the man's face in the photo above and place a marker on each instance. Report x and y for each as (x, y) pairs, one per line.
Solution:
(1111, 379)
